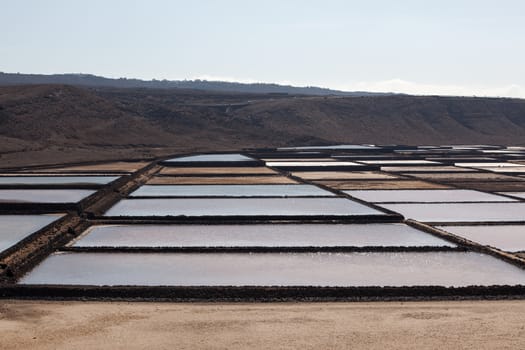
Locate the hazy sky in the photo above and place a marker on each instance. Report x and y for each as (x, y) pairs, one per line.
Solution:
(437, 47)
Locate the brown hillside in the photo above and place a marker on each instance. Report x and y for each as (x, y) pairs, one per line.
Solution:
(57, 123)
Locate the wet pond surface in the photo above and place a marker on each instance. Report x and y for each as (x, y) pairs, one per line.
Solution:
(400, 162)
(43, 196)
(220, 180)
(424, 169)
(335, 147)
(14, 228)
(229, 191)
(379, 196)
(275, 235)
(342, 175)
(478, 176)
(212, 158)
(457, 212)
(505, 237)
(313, 164)
(240, 207)
(216, 171)
(489, 165)
(298, 159)
(276, 269)
(507, 169)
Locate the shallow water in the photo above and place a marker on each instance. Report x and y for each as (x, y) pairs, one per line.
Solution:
(462, 159)
(220, 180)
(477, 176)
(298, 159)
(212, 158)
(240, 207)
(276, 269)
(507, 169)
(426, 169)
(215, 170)
(489, 165)
(456, 212)
(343, 175)
(229, 191)
(379, 196)
(338, 147)
(312, 164)
(505, 237)
(43, 196)
(290, 235)
(14, 228)
(400, 162)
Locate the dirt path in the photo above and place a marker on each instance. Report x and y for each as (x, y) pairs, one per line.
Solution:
(413, 325)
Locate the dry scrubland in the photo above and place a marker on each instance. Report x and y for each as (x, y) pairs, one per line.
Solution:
(57, 123)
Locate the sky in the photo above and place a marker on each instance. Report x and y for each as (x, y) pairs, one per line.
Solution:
(446, 47)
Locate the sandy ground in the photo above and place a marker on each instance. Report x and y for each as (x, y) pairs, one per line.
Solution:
(299, 159)
(344, 175)
(381, 325)
(426, 169)
(492, 186)
(113, 166)
(380, 184)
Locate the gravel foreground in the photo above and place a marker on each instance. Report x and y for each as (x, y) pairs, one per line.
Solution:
(378, 325)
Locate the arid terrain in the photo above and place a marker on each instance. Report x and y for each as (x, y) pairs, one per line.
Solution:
(47, 124)
(390, 325)
(52, 124)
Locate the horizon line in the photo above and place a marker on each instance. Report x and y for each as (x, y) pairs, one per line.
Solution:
(400, 91)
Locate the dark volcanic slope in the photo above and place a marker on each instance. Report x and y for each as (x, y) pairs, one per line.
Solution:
(53, 123)
(89, 80)
(397, 119)
(292, 120)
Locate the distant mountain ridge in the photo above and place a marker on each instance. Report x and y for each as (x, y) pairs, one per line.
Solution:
(89, 80)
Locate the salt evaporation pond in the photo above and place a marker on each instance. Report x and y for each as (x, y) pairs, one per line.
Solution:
(240, 207)
(379, 196)
(505, 237)
(43, 196)
(14, 228)
(275, 235)
(212, 158)
(449, 269)
(229, 191)
(457, 212)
